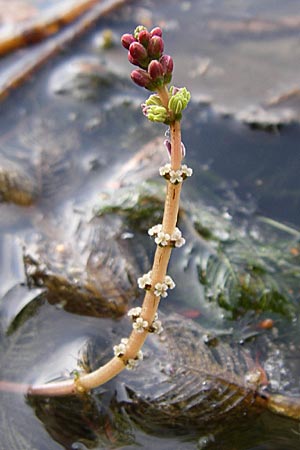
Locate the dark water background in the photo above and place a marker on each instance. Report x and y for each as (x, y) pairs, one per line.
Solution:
(66, 131)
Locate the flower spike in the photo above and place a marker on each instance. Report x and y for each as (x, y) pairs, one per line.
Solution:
(153, 71)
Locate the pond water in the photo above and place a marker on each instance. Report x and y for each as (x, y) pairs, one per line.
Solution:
(67, 276)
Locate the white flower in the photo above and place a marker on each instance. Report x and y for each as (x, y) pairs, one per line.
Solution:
(131, 364)
(179, 242)
(120, 349)
(145, 281)
(140, 355)
(187, 171)
(162, 239)
(160, 290)
(177, 238)
(140, 325)
(176, 176)
(164, 170)
(156, 327)
(155, 229)
(176, 234)
(169, 282)
(134, 312)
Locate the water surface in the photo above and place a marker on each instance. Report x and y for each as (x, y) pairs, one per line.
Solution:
(73, 125)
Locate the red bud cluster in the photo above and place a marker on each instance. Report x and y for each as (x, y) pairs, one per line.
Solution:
(145, 50)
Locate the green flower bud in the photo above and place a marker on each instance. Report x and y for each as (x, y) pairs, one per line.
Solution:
(178, 101)
(153, 100)
(137, 31)
(156, 113)
(186, 95)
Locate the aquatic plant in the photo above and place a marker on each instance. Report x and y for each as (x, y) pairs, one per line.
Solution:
(166, 104)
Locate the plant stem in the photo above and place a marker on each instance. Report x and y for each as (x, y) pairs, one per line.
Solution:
(150, 304)
(164, 95)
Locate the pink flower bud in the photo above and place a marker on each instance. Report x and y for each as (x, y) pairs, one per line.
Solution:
(127, 39)
(175, 90)
(156, 32)
(144, 109)
(155, 70)
(155, 47)
(141, 78)
(138, 52)
(144, 38)
(132, 60)
(167, 64)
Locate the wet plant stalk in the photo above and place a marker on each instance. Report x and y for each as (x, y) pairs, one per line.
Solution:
(145, 50)
(150, 303)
